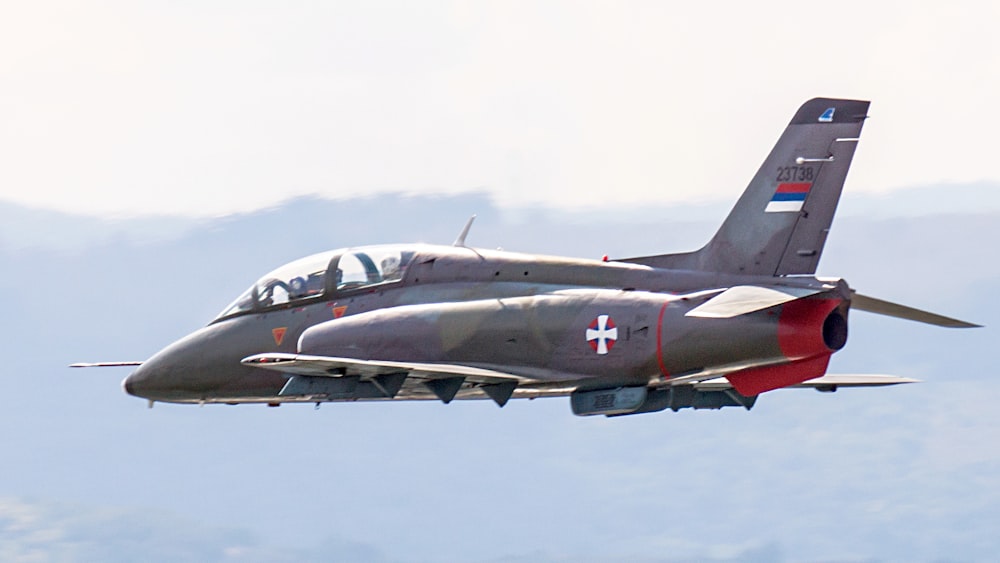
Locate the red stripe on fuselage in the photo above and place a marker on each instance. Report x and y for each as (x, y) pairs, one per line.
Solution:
(659, 342)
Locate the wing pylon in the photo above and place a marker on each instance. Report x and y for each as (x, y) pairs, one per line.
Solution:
(443, 380)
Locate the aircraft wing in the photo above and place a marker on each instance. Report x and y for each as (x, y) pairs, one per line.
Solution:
(326, 366)
(104, 364)
(444, 380)
(829, 382)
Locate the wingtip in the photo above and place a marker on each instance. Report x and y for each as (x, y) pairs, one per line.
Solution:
(104, 364)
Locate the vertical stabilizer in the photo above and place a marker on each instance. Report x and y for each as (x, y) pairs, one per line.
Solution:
(779, 226)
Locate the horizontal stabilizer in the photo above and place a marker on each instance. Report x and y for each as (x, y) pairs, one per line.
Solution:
(743, 299)
(827, 382)
(855, 380)
(889, 309)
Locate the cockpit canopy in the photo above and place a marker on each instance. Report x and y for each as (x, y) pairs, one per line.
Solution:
(325, 274)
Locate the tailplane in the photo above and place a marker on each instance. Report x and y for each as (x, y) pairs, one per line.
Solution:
(779, 226)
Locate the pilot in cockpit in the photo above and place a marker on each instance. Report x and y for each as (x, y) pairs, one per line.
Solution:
(297, 288)
(300, 287)
(390, 268)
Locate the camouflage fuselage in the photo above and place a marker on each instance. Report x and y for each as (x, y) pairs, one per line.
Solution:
(561, 324)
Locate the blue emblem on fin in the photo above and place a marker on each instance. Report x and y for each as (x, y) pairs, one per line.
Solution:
(827, 116)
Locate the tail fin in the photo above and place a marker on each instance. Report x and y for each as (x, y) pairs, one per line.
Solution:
(780, 224)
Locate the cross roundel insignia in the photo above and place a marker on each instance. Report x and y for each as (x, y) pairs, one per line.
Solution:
(602, 334)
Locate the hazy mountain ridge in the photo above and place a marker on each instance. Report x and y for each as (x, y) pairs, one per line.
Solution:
(24, 227)
(902, 473)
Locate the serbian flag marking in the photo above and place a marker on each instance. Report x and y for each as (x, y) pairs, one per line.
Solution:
(788, 197)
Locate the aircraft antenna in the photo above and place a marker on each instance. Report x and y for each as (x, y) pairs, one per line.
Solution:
(460, 241)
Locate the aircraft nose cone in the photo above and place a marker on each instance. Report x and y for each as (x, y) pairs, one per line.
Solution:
(132, 384)
(151, 380)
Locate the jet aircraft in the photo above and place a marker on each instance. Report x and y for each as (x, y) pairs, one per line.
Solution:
(707, 329)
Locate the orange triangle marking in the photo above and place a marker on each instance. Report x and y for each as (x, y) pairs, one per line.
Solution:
(339, 311)
(279, 334)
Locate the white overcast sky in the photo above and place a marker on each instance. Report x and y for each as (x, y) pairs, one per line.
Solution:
(206, 108)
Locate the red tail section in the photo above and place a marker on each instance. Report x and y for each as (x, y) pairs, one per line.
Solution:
(809, 331)
(755, 381)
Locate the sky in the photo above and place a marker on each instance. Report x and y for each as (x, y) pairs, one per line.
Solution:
(122, 108)
(909, 473)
